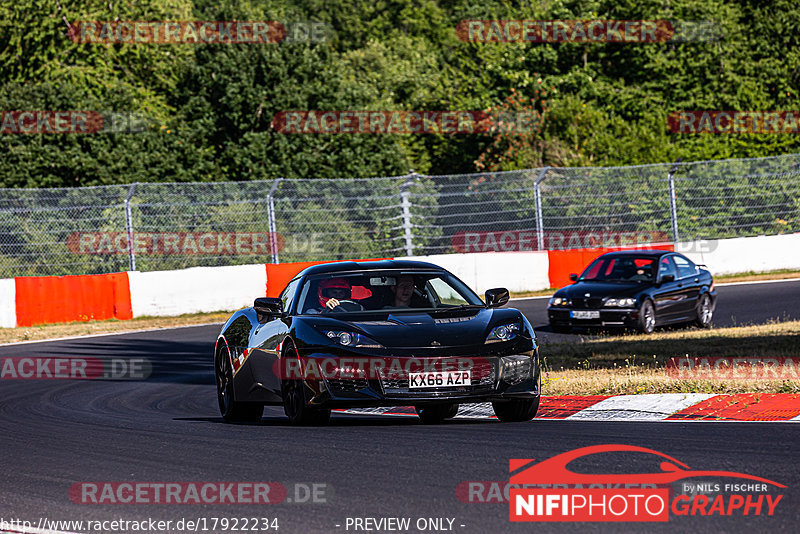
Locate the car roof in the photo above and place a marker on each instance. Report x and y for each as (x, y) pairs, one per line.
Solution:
(348, 266)
(644, 252)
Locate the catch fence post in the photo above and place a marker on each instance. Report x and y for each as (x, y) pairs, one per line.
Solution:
(273, 226)
(537, 193)
(673, 209)
(405, 205)
(129, 227)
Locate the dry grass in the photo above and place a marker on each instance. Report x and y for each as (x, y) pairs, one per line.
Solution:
(53, 331)
(633, 364)
(751, 276)
(540, 293)
(636, 381)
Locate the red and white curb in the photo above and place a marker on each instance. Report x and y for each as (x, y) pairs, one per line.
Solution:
(650, 407)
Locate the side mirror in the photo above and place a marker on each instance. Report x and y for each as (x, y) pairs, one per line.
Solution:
(573, 277)
(267, 307)
(667, 278)
(496, 297)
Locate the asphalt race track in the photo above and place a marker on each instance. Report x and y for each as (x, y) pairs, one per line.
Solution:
(737, 305)
(55, 433)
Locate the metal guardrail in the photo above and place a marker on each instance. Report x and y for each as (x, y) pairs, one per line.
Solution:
(160, 226)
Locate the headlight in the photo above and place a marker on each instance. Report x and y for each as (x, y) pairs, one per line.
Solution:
(559, 301)
(352, 339)
(515, 369)
(504, 332)
(622, 303)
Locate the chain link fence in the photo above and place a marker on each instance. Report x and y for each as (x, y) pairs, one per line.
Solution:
(160, 226)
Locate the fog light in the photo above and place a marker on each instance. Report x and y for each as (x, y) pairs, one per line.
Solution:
(516, 368)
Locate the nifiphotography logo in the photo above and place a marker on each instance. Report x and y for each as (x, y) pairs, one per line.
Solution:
(549, 491)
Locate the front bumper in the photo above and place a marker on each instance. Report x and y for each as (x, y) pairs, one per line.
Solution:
(621, 317)
(488, 384)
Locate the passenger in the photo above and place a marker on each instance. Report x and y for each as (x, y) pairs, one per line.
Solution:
(403, 290)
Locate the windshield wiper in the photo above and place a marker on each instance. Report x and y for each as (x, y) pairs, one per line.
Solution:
(457, 308)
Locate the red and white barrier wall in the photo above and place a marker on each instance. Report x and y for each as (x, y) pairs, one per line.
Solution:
(745, 254)
(27, 301)
(196, 290)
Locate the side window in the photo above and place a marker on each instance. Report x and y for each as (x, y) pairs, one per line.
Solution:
(444, 293)
(685, 267)
(288, 294)
(665, 266)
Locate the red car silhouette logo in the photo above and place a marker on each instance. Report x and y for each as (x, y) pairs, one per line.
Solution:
(554, 470)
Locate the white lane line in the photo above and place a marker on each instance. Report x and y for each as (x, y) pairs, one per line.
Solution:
(751, 282)
(648, 407)
(106, 334)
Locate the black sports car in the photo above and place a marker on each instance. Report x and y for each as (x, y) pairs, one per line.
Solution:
(641, 289)
(383, 333)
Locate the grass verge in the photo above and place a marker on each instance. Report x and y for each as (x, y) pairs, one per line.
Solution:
(54, 331)
(635, 364)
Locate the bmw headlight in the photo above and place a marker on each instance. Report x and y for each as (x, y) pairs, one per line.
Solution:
(621, 303)
(352, 339)
(559, 301)
(515, 369)
(505, 332)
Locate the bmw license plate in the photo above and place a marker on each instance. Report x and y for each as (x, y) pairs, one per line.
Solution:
(439, 379)
(584, 314)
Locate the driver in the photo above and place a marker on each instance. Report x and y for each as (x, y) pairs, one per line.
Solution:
(331, 291)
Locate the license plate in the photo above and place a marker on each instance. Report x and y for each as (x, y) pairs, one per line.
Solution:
(584, 314)
(439, 379)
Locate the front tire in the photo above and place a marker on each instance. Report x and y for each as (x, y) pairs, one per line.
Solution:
(516, 411)
(647, 318)
(705, 312)
(436, 413)
(297, 409)
(232, 411)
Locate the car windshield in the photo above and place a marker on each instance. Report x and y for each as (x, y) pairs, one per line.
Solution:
(397, 291)
(621, 269)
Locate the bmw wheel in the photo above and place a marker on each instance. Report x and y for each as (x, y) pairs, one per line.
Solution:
(647, 318)
(232, 411)
(705, 312)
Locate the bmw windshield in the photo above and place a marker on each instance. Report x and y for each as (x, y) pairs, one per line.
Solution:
(621, 269)
(392, 291)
